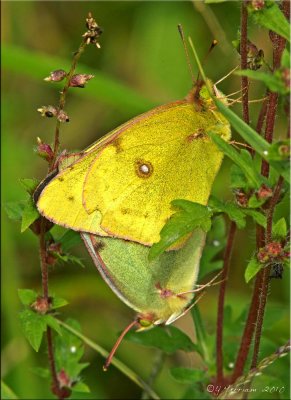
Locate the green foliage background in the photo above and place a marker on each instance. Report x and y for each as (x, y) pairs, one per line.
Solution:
(141, 64)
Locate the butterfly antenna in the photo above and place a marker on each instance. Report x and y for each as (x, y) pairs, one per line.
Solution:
(118, 341)
(201, 287)
(181, 31)
(227, 75)
(213, 44)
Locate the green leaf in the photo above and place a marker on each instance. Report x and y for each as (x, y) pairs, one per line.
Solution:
(29, 215)
(254, 202)
(274, 81)
(279, 230)
(169, 339)
(124, 369)
(69, 239)
(42, 372)
(52, 322)
(252, 269)
(27, 296)
(14, 209)
(280, 151)
(190, 217)
(58, 302)
(196, 392)
(260, 145)
(7, 393)
(33, 326)
(69, 258)
(233, 211)
(69, 349)
(243, 159)
(187, 375)
(238, 179)
(29, 184)
(271, 17)
(258, 217)
(80, 387)
(285, 60)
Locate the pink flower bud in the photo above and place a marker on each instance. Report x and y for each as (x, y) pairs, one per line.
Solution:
(274, 249)
(258, 4)
(41, 305)
(45, 151)
(264, 192)
(56, 76)
(80, 80)
(64, 379)
(262, 255)
(62, 116)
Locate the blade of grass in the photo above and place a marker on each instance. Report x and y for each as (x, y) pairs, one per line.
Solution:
(260, 145)
(118, 364)
(103, 88)
(200, 332)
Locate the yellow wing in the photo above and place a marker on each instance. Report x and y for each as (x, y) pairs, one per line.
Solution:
(124, 186)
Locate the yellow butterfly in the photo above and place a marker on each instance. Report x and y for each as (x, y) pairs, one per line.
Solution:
(122, 185)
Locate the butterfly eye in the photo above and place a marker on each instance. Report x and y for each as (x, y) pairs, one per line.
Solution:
(144, 169)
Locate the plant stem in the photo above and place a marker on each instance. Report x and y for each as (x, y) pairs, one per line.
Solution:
(44, 275)
(260, 291)
(266, 273)
(156, 369)
(278, 46)
(133, 376)
(220, 309)
(244, 64)
(62, 101)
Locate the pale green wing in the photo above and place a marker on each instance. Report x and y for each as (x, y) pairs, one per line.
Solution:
(150, 288)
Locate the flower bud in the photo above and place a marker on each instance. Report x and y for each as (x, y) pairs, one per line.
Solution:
(262, 255)
(48, 111)
(284, 150)
(45, 151)
(285, 74)
(41, 305)
(56, 76)
(62, 116)
(93, 33)
(274, 249)
(257, 4)
(241, 198)
(264, 192)
(80, 80)
(64, 379)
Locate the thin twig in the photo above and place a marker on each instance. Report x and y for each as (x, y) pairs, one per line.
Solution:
(44, 274)
(62, 101)
(220, 309)
(156, 369)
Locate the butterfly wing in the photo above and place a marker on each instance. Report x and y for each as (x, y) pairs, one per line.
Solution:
(123, 185)
(163, 157)
(150, 288)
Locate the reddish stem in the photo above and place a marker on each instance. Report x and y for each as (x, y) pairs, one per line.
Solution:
(259, 297)
(221, 298)
(62, 101)
(44, 275)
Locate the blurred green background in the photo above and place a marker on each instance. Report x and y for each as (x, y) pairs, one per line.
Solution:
(141, 64)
